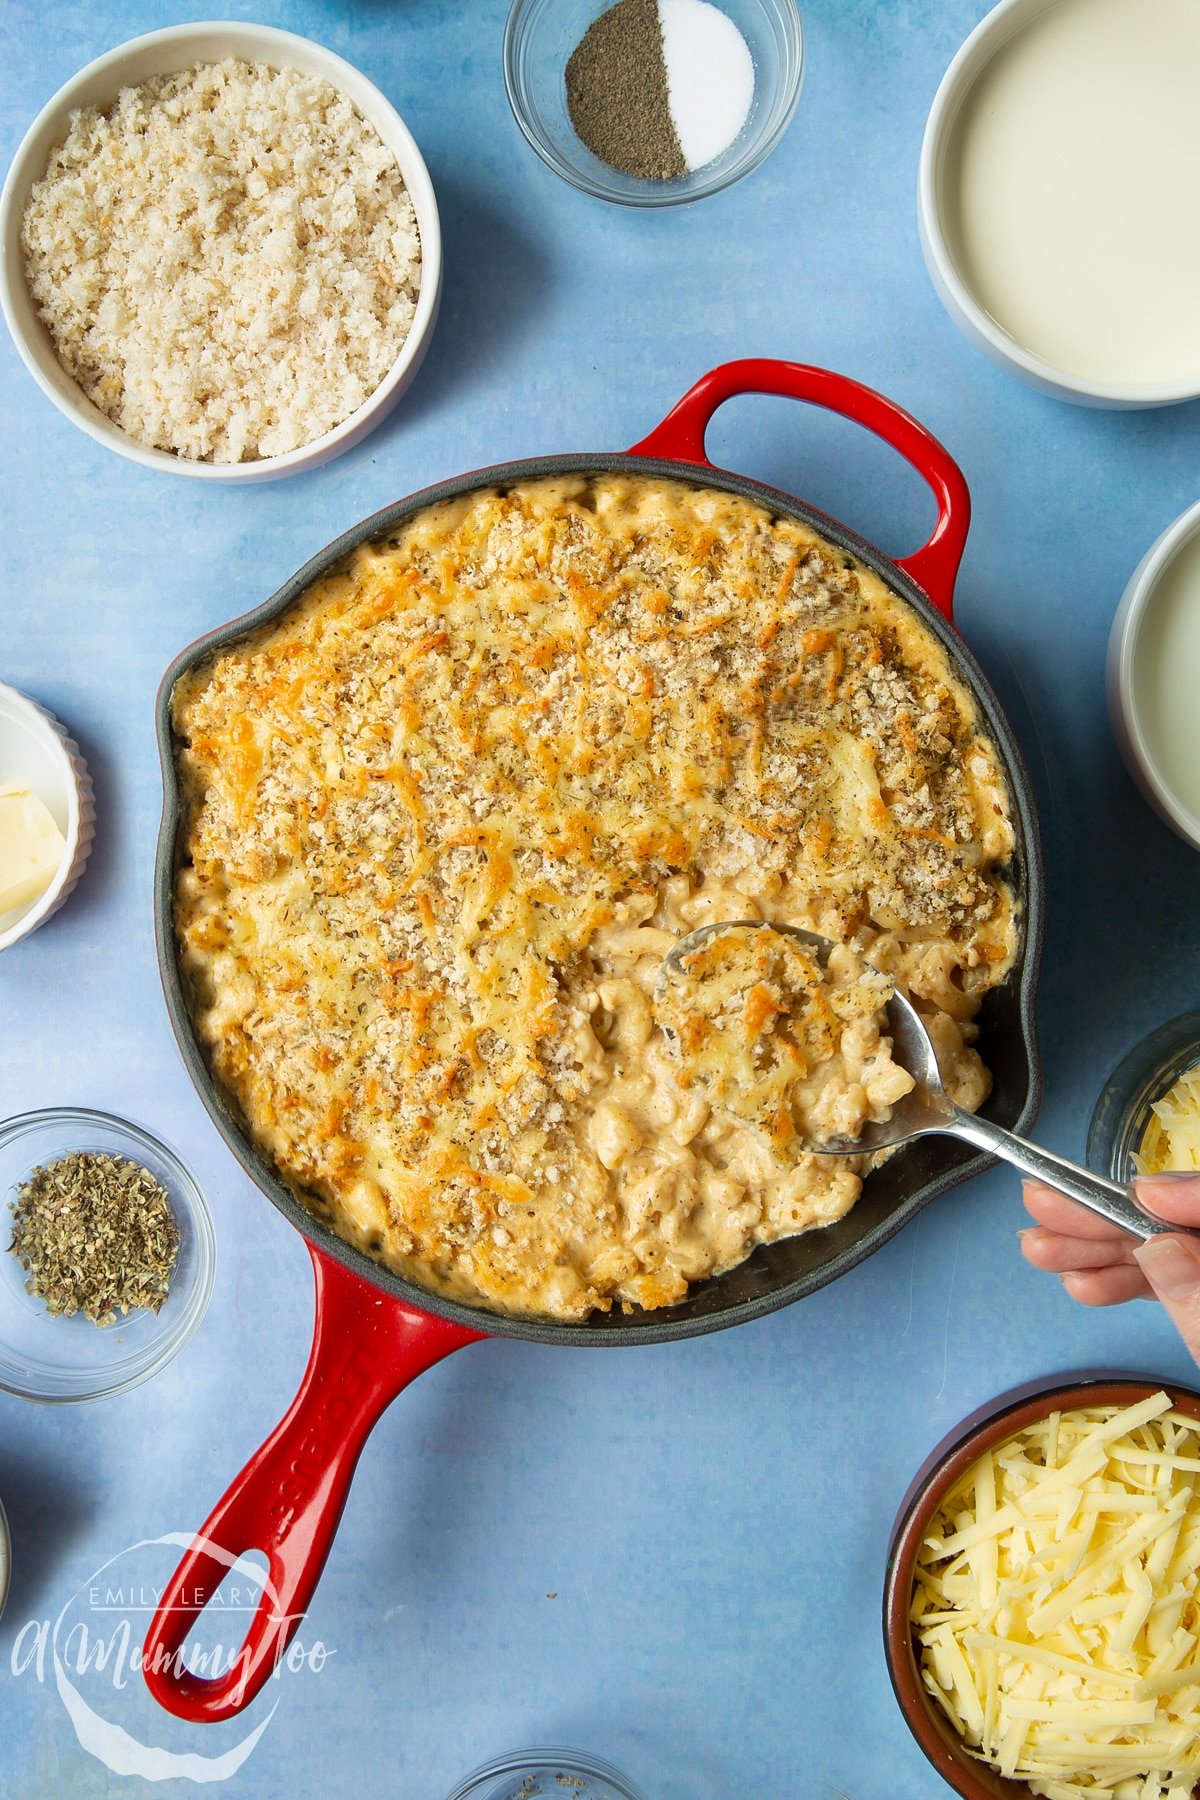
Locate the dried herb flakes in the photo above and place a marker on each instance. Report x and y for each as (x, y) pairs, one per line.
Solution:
(95, 1234)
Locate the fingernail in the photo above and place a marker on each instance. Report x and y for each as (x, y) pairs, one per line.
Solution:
(1171, 1186)
(1171, 1266)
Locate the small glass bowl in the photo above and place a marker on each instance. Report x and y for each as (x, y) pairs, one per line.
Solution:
(1143, 1076)
(552, 1773)
(982, 1430)
(5, 1559)
(539, 38)
(58, 1359)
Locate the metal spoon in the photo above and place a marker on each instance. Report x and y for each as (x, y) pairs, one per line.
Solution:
(928, 1109)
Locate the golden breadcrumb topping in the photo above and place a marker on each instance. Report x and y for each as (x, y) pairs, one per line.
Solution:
(446, 815)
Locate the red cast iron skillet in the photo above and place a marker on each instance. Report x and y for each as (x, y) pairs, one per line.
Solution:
(374, 1332)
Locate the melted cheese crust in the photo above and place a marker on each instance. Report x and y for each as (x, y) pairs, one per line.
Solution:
(443, 818)
(767, 1034)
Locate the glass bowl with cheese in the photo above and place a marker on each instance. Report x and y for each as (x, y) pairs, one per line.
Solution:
(46, 815)
(1147, 1118)
(1042, 1601)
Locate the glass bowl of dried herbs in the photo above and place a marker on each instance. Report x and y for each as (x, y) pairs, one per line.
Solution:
(653, 102)
(107, 1255)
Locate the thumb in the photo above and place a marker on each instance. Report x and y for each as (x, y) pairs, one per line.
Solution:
(1172, 1267)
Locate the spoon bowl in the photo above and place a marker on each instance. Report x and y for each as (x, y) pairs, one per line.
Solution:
(928, 1109)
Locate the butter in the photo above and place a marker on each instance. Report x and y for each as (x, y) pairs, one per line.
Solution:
(31, 846)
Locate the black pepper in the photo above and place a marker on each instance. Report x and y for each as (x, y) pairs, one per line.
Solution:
(617, 93)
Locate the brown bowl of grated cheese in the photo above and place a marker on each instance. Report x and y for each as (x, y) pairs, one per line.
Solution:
(276, 299)
(1042, 1603)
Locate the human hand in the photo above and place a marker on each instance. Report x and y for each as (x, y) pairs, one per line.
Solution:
(1101, 1265)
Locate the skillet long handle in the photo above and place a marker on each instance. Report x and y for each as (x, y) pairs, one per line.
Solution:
(681, 435)
(288, 1499)
(1107, 1198)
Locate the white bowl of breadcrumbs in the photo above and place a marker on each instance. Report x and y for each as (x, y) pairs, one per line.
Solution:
(221, 254)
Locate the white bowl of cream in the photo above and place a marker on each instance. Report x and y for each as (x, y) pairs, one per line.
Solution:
(1154, 675)
(1056, 196)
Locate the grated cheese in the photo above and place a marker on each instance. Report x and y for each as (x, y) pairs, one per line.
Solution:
(1056, 1605)
(767, 1033)
(1172, 1138)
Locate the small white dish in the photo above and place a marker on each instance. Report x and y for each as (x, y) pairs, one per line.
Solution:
(1153, 675)
(168, 52)
(1127, 204)
(36, 749)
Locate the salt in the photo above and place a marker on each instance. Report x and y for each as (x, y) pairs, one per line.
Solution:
(710, 77)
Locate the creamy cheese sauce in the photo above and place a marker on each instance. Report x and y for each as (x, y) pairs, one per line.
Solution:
(1073, 215)
(1166, 673)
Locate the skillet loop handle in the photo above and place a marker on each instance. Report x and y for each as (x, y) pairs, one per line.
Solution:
(288, 1499)
(934, 567)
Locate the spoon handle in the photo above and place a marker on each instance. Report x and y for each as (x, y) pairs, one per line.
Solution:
(1108, 1198)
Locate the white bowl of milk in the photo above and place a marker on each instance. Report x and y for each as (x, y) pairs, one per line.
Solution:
(1057, 196)
(1153, 670)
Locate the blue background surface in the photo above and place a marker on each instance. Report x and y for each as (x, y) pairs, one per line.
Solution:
(672, 1555)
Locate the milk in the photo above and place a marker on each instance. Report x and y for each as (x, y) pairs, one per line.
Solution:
(1166, 676)
(1073, 196)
